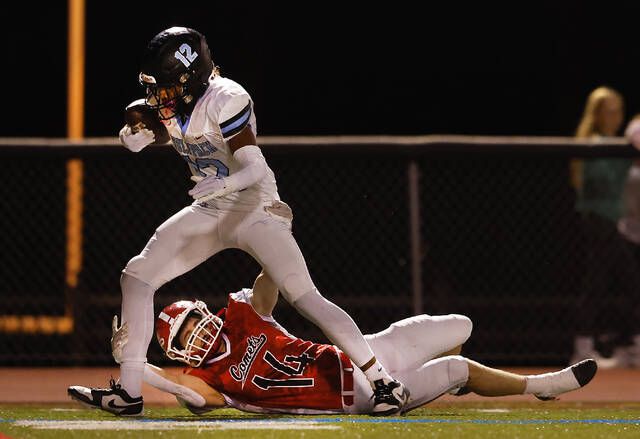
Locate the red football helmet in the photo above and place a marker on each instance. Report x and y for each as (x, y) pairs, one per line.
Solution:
(202, 340)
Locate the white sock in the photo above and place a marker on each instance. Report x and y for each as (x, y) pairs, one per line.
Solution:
(376, 372)
(552, 383)
(137, 312)
(131, 376)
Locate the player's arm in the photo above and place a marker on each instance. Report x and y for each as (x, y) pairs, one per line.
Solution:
(188, 389)
(244, 138)
(265, 294)
(242, 142)
(247, 153)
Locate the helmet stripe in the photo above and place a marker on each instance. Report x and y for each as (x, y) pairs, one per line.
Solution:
(166, 317)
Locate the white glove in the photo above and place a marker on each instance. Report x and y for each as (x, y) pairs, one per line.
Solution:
(632, 133)
(136, 141)
(119, 338)
(208, 188)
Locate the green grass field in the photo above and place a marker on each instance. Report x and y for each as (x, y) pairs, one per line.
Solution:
(444, 420)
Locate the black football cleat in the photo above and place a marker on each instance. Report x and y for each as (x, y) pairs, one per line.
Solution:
(389, 397)
(114, 400)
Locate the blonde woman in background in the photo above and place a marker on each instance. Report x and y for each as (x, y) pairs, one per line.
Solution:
(599, 182)
(603, 114)
(612, 279)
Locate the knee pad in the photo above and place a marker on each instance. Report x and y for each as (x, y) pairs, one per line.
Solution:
(295, 286)
(458, 370)
(129, 283)
(464, 327)
(137, 268)
(134, 267)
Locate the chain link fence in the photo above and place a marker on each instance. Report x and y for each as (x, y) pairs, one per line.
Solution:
(495, 234)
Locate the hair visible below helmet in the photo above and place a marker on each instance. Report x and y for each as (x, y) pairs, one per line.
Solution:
(175, 70)
(202, 340)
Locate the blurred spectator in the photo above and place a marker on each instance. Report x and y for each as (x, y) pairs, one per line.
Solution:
(629, 224)
(599, 182)
(612, 279)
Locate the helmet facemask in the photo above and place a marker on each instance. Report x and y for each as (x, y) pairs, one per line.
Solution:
(166, 100)
(203, 340)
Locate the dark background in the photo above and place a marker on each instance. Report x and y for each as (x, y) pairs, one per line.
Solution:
(316, 68)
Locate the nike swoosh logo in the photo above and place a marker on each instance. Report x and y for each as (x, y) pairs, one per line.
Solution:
(403, 395)
(113, 405)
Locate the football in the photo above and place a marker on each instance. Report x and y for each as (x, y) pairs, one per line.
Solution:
(139, 115)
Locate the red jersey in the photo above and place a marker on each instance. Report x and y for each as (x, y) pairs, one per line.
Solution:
(264, 368)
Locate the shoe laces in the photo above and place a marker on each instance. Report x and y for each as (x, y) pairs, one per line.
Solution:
(383, 392)
(113, 384)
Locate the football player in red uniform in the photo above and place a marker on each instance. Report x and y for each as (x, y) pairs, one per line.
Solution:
(241, 357)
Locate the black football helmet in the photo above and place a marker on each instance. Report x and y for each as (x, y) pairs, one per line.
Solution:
(175, 71)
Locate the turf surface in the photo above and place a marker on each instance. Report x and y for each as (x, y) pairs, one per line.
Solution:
(449, 420)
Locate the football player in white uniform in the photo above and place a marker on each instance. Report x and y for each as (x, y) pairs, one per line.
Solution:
(212, 125)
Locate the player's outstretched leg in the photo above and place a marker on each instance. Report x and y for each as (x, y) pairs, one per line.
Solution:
(487, 381)
(114, 400)
(549, 385)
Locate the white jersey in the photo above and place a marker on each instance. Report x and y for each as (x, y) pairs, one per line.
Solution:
(224, 110)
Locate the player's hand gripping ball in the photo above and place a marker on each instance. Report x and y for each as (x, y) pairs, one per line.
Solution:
(139, 115)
